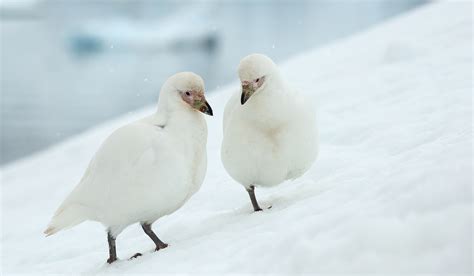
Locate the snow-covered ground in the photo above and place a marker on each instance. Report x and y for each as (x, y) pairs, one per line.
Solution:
(390, 192)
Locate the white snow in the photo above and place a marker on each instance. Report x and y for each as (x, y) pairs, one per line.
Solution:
(391, 191)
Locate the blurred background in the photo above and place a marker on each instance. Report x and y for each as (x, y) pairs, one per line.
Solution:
(67, 65)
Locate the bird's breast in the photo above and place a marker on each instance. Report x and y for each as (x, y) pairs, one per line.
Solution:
(254, 155)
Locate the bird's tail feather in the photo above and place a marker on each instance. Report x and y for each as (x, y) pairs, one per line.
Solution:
(66, 217)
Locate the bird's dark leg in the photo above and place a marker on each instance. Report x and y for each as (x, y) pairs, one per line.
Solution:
(251, 192)
(159, 244)
(112, 249)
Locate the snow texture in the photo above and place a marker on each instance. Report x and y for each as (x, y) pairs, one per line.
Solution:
(391, 191)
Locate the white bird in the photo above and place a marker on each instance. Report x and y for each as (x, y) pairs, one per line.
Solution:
(270, 132)
(146, 169)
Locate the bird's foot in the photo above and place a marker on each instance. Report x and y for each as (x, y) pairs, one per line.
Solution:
(161, 246)
(158, 247)
(136, 255)
(258, 209)
(111, 260)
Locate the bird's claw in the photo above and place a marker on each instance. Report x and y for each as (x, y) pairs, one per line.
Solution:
(136, 255)
(260, 209)
(161, 246)
(111, 260)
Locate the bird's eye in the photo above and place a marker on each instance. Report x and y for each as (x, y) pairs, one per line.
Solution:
(188, 94)
(257, 80)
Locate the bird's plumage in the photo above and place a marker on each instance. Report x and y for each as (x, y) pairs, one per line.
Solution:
(271, 137)
(144, 170)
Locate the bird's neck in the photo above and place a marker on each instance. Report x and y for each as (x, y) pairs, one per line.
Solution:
(179, 118)
(270, 105)
(175, 116)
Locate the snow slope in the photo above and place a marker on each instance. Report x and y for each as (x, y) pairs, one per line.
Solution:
(390, 192)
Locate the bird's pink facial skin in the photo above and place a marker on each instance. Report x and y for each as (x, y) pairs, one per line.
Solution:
(196, 100)
(249, 88)
(191, 96)
(254, 84)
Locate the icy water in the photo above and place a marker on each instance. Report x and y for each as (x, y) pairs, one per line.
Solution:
(57, 82)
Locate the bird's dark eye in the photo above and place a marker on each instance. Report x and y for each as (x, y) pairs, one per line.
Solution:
(257, 80)
(188, 94)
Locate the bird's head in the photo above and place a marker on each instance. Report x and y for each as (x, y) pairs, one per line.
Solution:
(187, 88)
(254, 72)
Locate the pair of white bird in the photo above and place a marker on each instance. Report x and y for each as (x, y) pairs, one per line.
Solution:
(150, 168)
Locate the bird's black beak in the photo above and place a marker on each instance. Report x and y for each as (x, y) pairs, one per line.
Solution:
(206, 108)
(247, 92)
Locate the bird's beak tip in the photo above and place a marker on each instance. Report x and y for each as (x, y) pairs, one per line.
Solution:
(243, 99)
(208, 109)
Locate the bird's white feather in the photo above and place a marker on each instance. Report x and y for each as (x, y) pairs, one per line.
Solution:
(143, 171)
(273, 136)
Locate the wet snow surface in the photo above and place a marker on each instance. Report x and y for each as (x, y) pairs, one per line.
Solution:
(390, 191)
